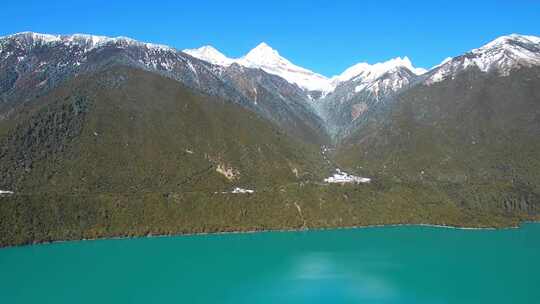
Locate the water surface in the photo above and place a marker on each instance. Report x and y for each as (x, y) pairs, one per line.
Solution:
(368, 265)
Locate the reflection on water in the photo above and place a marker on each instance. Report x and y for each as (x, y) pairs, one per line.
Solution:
(324, 277)
(315, 266)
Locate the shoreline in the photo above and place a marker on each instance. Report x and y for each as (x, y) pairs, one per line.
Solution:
(273, 230)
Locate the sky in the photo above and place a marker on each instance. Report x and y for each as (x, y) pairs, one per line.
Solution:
(324, 36)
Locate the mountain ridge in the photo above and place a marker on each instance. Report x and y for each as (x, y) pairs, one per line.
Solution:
(35, 63)
(263, 56)
(335, 106)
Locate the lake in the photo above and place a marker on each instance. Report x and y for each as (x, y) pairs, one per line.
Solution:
(406, 264)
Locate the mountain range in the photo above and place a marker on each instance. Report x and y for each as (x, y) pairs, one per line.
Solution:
(95, 131)
(342, 99)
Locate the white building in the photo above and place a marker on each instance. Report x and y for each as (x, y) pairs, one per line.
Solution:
(341, 177)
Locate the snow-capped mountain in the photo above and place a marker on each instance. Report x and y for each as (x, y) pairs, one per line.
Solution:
(369, 72)
(377, 78)
(500, 55)
(266, 58)
(210, 54)
(262, 80)
(387, 83)
(362, 86)
(32, 64)
(86, 42)
(269, 60)
(352, 98)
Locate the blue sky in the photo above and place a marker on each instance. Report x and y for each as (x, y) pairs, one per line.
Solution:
(325, 36)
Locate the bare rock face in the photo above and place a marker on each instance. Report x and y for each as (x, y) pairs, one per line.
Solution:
(229, 172)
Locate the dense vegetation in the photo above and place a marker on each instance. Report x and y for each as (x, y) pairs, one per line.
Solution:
(132, 131)
(475, 137)
(47, 217)
(126, 152)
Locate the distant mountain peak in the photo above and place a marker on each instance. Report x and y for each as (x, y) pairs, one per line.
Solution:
(84, 40)
(264, 57)
(210, 54)
(35, 36)
(508, 40)
(370, 72)
(265, 54)
(264, 48)
(502, 54)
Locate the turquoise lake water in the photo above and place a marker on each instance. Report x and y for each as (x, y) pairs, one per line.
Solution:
(368, 265)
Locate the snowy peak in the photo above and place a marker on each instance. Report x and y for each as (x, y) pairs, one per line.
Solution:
(34, 37)
(85, 41)
(508, 41)
(269, 60)
(505, 52)
(388, 83)
(266, 58)
(263, 54)
(210, 54)
(370, 72)
(501, 55)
